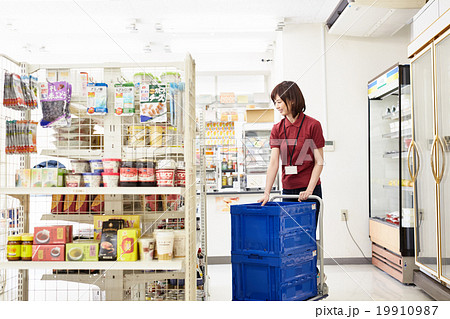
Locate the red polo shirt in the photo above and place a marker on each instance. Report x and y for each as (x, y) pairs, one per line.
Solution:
(309, 138)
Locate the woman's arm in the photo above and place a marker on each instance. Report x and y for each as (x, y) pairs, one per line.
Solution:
(272, 171)
(317, 170)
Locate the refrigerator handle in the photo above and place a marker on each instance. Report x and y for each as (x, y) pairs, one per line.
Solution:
(442, 146)
(412, 146)
(432, 163)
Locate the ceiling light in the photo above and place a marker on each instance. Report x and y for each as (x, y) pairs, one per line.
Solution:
(280, 26)
(132, 28)
(147, 48)
(10, 27)
(167, 49)
(158, 27)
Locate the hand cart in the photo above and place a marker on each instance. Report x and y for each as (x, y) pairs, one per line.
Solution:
(322, 288)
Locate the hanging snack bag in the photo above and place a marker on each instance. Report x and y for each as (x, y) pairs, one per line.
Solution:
(124, 99)
(55, 99)
(97, 94)
(153, 103)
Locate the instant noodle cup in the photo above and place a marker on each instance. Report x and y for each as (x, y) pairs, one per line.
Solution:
(111, 165)
(96, 166)
(165, 173)
(92, 179)
(180, 175)
(110, 179)
(164, 244)
(74, 180)
(80, 166)
(146, 248)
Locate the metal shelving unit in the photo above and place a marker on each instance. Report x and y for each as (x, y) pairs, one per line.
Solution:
(117, 279)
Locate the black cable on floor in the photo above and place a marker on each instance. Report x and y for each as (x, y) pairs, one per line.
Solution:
(348, 229)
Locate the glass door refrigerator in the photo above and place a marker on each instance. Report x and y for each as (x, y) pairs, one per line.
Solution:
(391, 190)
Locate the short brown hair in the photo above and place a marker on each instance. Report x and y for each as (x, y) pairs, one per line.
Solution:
(291, 95)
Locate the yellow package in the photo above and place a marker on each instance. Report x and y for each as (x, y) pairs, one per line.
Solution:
(127, 244)
(131, 221)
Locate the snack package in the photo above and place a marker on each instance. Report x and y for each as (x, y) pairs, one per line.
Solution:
(57, 203)
(97, 95)
(127, 244)
(108, 242)
(55, 99)
(97, 204)
(129, 221)
(23, 177)
(153, 103)
(124, 99)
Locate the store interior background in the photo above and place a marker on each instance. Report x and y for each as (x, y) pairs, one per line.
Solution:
(232, 37)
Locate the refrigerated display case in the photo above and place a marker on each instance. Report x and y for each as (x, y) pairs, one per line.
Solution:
(430, 154)
(391, 189)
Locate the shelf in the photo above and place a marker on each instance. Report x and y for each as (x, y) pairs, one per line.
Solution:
(395, 115)
(89, 219)
(150, 151)
(174, 264)
(395, 155)
(405, 133)
(404, 188)
(94, 279)
(22, 191)
(74, 153)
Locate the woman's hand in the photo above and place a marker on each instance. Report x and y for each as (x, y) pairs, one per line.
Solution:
(304, 195)
(264, 200)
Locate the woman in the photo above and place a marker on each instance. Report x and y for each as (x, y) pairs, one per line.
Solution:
(299, 140)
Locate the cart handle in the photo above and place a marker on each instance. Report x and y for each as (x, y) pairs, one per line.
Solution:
(320, 226)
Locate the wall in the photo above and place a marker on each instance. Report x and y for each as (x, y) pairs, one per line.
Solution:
(350, 63)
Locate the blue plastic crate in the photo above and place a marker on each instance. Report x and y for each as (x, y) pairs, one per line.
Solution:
(274, 229)
(281, 269)
(276, 279)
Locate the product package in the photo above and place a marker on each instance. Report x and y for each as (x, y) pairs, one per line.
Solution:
(55, 100)
(124, 99)
(23, 177)
(49, 252)
(108, 242)
(97, 96)
(97, 204)
(53, 177)
(21, 137)
(130, 221)
(36, 177)
(82, 250)
(153, 103)
(57, 203)
(53, 235)
(127, 244)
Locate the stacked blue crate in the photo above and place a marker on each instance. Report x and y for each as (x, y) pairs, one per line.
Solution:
(274, 251)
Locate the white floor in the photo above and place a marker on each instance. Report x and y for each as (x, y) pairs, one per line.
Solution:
(346, 283)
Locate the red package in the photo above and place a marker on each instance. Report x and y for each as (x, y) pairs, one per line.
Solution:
(82, 204)
(69, 204)
(53, 235)
(57, 204)
(152, 203)
(48, 253)
(98, 203)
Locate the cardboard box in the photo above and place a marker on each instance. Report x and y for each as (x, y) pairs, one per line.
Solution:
(48, 235)
(259, 116)
(53, 177)
(131, 221)
(23, 177)
(82, 250)
(127, 249)
(48, 253)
